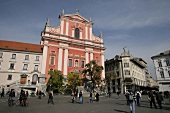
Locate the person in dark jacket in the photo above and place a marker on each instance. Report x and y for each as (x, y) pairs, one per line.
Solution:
(97, 96)
(159, 99)
(81, 97)
(152, 99)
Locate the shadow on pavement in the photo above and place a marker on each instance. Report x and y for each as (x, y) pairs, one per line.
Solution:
(121, 111)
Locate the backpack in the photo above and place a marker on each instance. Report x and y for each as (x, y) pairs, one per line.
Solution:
(130, 97)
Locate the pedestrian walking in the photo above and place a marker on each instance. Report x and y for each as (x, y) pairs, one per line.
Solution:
(2, 93)
(132, 101)
(50, 98)
(97, 97)
(127, 97)
(91, 97)
(81, 97)
(159, 99)
(151, 98)
(39, 95)
(138, 98)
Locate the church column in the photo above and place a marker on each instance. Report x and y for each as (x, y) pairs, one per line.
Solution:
(44, 57)
(60, 56)
(86, 33)
(91, 56)
(80, 34)
(67, 26)
(87, 57)
(62, 26)
(90, 32)
(72, 32)
(65, 61)
(102, 60)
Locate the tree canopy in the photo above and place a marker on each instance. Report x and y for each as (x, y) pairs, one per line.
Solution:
(74, 80)
(56, 80)
(93, 70)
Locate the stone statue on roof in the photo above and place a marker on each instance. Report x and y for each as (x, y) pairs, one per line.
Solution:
(77, 11)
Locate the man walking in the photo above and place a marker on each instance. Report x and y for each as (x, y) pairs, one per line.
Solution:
(152, 99)
(159, 99)
(132, 101)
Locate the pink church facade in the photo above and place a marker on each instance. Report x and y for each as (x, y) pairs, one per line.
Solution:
(71, 45)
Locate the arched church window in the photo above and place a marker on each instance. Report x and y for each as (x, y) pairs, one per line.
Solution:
(76, 63)
(77, 32)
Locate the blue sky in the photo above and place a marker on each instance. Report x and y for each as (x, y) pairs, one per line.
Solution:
(141, 25)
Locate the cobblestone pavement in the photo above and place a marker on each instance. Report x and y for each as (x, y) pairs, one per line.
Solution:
(62, 104)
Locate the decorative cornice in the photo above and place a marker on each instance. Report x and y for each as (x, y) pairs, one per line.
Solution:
(73, 42)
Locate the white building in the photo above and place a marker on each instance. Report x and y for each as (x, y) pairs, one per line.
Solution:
(130, 72)
(162, 69)
(20, 65)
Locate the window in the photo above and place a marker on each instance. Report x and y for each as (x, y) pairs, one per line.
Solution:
(52, 60)
(70, 63)
(167, 62)
(126, 64)
(37, 58)
(76, 63)
(9, 77)
(11, 66)
(127, 72)
(162, 73)
(36, 68)
(26, 57)
(25, 67)
(34, 79)
(169, 73)
(82, 64)
(13, 56)
(1, 54)
(160, 64)
(77, 33)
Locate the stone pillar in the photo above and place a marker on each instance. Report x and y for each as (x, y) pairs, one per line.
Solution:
(80, 34)
(60, 56)
(67, 26)
(62, 26)
(87, 57)
(91, 56)
(72, 32)
(44, 57)
(65, 61)
(90, 32)
(102, 60)
(86, 32)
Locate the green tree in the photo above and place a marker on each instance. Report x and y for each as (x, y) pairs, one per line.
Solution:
(93, 70)
(74, 80)
(56, 80)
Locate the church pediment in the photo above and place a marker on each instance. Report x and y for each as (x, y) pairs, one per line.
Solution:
(76, 17)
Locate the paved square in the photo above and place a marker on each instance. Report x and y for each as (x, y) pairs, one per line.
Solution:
(62, 104)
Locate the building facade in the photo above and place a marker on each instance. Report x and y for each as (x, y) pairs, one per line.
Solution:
(20, 65)
(162, 70)
(129, 72)
(71, 45)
